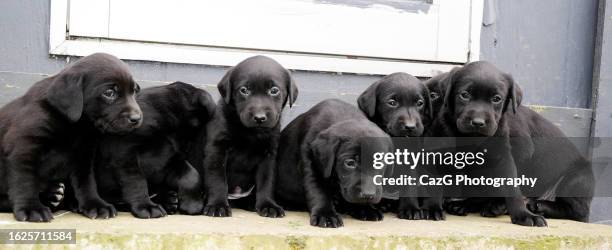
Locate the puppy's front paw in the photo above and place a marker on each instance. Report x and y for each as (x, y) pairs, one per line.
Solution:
(328, 220)
(529, 219)
(169, 201)
(33, 213)
(409, 213)
(408, 209)
(366, 213)
(434, 214)
(271, 210)
(148, 210)
(457, 207)
(97, 209)
(433, 211)
(222, 210)
(191, 206)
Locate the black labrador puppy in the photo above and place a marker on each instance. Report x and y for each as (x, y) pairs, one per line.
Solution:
(49, 134)
(539, 149)
(242, 139)
(437, 89)
(320, 165)
(400, 105)
(159, 154)
(479, 102)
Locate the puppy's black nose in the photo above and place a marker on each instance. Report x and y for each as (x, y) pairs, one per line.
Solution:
(478, 122)
(367, 196)
(260, 118)
(134, 118)
(410, 127)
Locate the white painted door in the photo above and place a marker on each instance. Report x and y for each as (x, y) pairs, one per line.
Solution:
(426, 31)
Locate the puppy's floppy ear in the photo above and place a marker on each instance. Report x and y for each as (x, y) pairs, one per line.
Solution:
(66, 95)
(292, 90)
(518, 94)
(449, 98)
(323, 150)
(428, 106)
(515, 94)
(367, 100)
(225, 86)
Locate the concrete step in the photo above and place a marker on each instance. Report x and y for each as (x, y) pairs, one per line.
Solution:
(246, 230)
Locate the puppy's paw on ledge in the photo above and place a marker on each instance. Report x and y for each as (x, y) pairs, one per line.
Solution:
(33, 213)
(366, 213)
(410, 214)
(217, 211)
(148, 211)
(529, 219)
(271, 210)
(328, 220)
(97, 209)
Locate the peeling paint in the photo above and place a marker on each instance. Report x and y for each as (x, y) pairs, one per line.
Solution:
(538, 108)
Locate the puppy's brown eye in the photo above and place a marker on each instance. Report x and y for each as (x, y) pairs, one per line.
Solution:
(392, 103)
(420, 103)
(110, 94)
(274, 91)
(496, 99)
(244, 91)
(433, 96)
(350, 163)
(465, 96)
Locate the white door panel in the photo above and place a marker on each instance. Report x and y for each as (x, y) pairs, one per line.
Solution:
(376, 30)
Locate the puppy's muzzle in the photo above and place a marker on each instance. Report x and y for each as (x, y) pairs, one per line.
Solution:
(135, 118)
(260, 117)
(409, 127)
(405, 128)
(478, 123)
(362, 196)
(368, 196)
(132, 119)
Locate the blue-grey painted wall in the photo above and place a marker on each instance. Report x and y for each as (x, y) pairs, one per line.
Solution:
(602, 103)
(546, 44)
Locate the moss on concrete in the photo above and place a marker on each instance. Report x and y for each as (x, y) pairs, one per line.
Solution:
(248, 231)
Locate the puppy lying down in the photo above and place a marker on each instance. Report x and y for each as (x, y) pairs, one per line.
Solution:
(319, 166)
